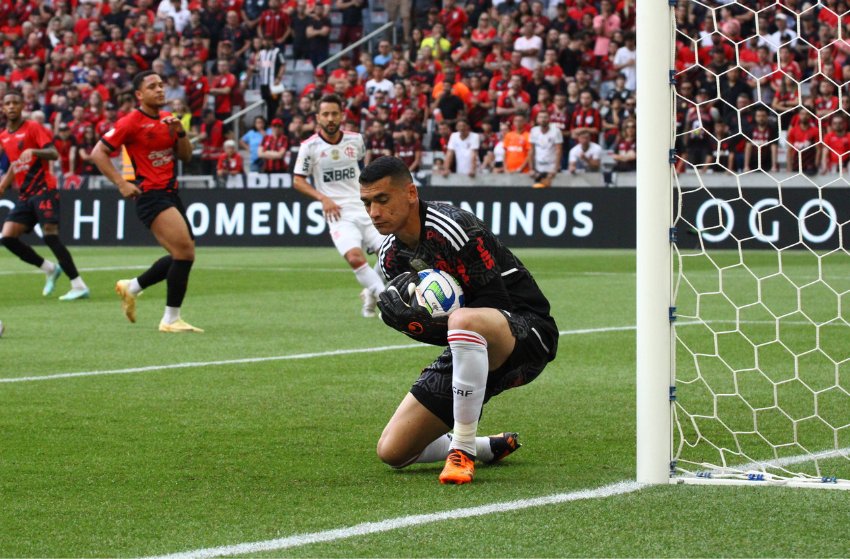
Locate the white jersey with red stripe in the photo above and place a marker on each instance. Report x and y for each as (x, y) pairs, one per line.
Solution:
(334, 168)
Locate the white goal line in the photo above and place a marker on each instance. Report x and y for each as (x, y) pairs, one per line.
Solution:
(414, 520)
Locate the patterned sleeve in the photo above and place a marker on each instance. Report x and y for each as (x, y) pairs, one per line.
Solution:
(41, 137)
(304, 162)
(119, 135)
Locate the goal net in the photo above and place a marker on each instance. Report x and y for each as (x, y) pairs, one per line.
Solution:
(761, 269)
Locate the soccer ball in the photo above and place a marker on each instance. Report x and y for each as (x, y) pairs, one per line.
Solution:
(438, 292)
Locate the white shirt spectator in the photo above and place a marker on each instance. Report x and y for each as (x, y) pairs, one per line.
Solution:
(578, 155)
(622, 56)
(782, 35)
(465, 149)
(546, 148)
(523, 43)
(384, 85)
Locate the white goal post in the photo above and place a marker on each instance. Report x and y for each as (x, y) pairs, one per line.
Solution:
(742, 264)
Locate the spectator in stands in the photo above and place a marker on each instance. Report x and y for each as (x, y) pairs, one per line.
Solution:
(274, 149)
(66, 145)
(625, 150)
(318, 35)
(836, 146)
(379, 83)
(761, 152)
(86, 145)
(408, 147)
(586, 155)
(251, 141)
(529, 46)
(222, 89)
(230, 171)
(307, 111)
(211, 137)
(803, 145)
(483, 37)
(197, 89)
(517, 147)
(274, 23)
(448, 107)
(436, 43)
(399, 10)
(513, 101)
(384, 54)
(351, 29)
(462, 151)
(454, 20)
(546, 144)
(299, 22)
(378, 142)
(585, 118)
(178, 109)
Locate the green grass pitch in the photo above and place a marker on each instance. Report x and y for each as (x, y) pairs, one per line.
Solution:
(164, 460)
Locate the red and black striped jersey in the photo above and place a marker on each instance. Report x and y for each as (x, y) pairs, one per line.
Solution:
(275, 143)
(32, 175)
(457, 242)
(150, 145)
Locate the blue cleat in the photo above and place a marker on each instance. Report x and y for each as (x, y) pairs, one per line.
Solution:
(50, 283)
(75, 294)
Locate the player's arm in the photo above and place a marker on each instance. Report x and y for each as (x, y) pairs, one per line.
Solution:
(329, 207)
(6, 181)
(100, 157)
(183, 147)
(48, 153)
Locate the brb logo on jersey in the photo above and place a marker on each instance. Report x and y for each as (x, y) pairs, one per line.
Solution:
(335, 175)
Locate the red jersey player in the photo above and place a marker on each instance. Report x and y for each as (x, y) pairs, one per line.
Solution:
(29, 146)
(153, 138)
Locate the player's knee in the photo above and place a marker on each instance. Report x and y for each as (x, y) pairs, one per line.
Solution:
(463, 319)
(355, 258)
(391, 455)
(50, 229)
(9, 241)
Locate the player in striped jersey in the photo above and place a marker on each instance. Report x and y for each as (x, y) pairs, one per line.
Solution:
(331, 158)
(29, 146)
(501, 339)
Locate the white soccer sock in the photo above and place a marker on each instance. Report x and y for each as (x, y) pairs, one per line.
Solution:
(439, 449)
(78, 283)
(172, 314)
(134, 288)
(369, 278)
(48, 267)
(469, 382)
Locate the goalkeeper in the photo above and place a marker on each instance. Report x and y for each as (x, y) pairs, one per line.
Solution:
(501, 339)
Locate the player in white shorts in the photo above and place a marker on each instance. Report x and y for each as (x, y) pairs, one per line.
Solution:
(331, 159)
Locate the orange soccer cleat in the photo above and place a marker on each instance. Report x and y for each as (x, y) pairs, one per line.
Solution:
(502, 445)
(459, 468)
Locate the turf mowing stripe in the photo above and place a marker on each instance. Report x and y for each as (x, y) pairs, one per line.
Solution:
(367, 528)
(244, 360)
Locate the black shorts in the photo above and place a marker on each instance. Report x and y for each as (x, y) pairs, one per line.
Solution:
(153, 202)
(42, 208)
(536, 345)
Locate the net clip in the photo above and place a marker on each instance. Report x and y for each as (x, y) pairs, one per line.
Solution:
(671, 314)
(671, 156)
(674, 235)
(672, 393)
(828, 479)
(755, 476)
(672, 79)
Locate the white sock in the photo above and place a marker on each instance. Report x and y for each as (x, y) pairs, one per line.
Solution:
(172, 314)
(439, 449)
(78, 283)
(368, 278)
(48, 267)
(469, 381)
(134, 288)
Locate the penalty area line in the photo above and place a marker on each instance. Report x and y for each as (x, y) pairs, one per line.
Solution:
(248, 360)
(415, 520)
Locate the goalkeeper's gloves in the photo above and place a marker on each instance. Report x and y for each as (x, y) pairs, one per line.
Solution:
(400, 310)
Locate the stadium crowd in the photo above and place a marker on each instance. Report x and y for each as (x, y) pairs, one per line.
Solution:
(488, 86)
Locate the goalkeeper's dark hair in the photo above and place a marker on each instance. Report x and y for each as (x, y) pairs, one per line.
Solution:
(15, 93)
(139, 78)
(386, 166)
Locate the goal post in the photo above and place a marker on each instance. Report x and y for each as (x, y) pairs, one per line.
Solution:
(654, 218)
(742, 250)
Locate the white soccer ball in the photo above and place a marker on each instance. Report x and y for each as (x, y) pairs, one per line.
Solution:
(438, 292)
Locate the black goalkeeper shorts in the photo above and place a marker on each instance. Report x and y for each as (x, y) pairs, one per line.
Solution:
(153, 202)
(536, 345)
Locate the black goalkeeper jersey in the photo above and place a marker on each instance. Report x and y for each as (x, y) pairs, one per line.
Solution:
(457, 242)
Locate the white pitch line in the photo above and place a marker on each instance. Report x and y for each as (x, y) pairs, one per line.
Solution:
(416, 520)
(296, 356)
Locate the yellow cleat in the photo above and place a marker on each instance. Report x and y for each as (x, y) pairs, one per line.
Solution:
(128, 300)
(178, 325)
(459, 469)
